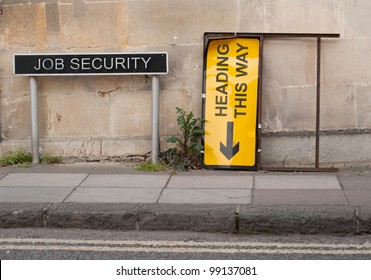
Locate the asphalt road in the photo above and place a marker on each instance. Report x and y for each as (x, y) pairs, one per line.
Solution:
(72, 244)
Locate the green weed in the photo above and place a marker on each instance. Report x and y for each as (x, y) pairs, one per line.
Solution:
(186, 153)
(18, 157)
(24, 159)
(150, 167)
(47, 158)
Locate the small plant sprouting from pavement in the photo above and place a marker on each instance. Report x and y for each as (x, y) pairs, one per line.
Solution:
(18, 157)
(24, 159)
(150, 167)
(47, 158)
(186, 153)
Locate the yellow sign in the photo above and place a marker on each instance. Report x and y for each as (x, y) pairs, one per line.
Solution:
(230, 108)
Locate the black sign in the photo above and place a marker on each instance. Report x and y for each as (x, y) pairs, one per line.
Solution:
(91, 64)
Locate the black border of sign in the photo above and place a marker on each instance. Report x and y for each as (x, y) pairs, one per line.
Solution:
(209, 36)
(133, 73)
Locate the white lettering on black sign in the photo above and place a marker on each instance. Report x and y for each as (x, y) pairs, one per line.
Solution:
(91, 64)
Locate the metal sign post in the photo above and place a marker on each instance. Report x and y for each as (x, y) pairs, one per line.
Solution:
(34, 121)
(155, 119)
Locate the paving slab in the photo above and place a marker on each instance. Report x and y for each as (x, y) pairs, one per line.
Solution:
(205, 196)
(210, 172)
(34, 194)
(42, 180)
(299, 197)
(358, 197)
(298, 182)
(5, 171)
(58, 168)
(126, 181)
(213, 182)
(115, 195)
(356, 182)
(119, 169)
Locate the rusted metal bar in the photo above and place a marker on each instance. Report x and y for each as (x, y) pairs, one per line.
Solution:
(304, 35)
(226, 35)
(318, 101)
(260, 99)
(318, 105)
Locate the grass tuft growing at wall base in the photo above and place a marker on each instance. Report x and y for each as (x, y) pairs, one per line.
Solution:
(24, 158)
(18, 157)
(150, 167)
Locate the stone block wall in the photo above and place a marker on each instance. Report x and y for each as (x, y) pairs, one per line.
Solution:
(100, 117)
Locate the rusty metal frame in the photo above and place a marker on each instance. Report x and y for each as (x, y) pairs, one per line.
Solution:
(263, 37)
(318, 36)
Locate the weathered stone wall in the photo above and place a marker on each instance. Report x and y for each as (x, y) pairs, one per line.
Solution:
(100, 117)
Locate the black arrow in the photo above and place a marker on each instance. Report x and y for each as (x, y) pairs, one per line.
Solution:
(229, 151)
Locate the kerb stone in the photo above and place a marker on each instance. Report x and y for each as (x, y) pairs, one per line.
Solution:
(364, 220)
(111, 216)
(191, 217)
(297, 219)
(21, 215)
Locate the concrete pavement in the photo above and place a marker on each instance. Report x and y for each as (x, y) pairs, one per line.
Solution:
(108, 196)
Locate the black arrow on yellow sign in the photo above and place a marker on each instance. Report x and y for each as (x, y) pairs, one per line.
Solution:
(230, 151)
